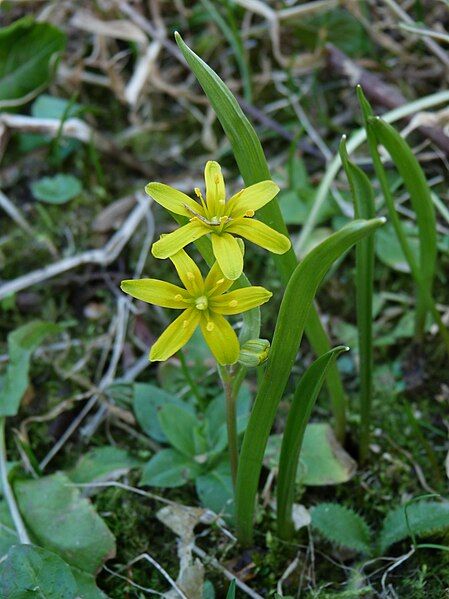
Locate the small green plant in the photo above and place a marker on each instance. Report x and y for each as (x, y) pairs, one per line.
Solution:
(198, 441)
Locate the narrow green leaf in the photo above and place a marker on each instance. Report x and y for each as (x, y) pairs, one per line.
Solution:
(303, 401)
(421, 200)
(231, 590)
(231, 35)
(253, 167)
(363, 198)
(422, 519)
(404, 159)
(342, 526)
(21, 344)
(297, 301)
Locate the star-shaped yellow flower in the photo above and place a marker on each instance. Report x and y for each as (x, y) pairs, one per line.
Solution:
(222, 219)
(204, 303)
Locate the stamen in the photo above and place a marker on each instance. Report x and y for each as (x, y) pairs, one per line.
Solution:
(178, 297)
(185, 323)
(222, 202)
(220, 281)
(200, 196)
(190, 276)
(249, 213)
(233, 303)
(210, 327)
(217, 180)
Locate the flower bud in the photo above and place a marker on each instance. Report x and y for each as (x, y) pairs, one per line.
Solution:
(254, 352)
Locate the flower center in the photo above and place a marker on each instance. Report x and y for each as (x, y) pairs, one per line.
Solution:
(201, 303)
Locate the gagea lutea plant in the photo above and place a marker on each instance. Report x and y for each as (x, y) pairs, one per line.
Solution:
(205, 302)
(219, 225)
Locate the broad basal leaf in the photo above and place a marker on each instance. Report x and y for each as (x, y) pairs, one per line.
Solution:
(342, 526)
(21, 344)
(103, 463)
(147, 400)
(58, 189)
(215, 490)
(27, 56)
(169, 468)
(62, 521)
(30, 571)
(422, 518)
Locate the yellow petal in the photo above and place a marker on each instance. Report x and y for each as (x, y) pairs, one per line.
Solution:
(173, 200)
(252, 198)
(156, 292)
(260, 234)
(215, 189)
(173, 242)
(240, 300)
(221, 338)
(175, 335)
(188, 272)
(228, 254)
(215, 282)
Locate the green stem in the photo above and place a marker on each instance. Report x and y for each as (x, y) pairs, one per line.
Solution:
(8, 492)
(231, 419)
(189, 379)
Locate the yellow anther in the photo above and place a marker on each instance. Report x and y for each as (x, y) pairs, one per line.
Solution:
(224, 219)
(185, 323)
(197, 192)
(217, 180)
(178, 297)
(220, 281)
(233, 303)
(223, 202)
(190, 276)
(249, 213)
(210, 326)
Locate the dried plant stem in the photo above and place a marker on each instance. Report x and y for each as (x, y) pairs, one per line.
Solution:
(8, 492)
(231, 419)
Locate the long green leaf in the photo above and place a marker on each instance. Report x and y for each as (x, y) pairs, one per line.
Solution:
(253, 166)
(293, 314)
(421, 200)
(363, 197)
(304, 399)
(420, 196)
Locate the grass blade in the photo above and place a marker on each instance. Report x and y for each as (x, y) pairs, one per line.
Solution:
(297, 301)
(253, 166)
(304, 399)
(363, 197)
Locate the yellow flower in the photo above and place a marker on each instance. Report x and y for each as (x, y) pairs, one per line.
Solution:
(204, 303)
(222, 219)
